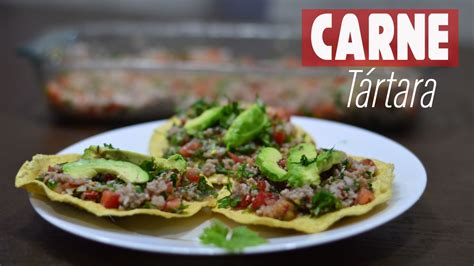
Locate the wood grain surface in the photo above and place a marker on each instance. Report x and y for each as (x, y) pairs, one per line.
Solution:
(438, 230)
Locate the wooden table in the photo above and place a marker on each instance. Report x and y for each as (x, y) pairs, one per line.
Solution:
(438, 230)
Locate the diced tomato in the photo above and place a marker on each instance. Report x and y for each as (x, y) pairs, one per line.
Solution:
(260, 200)
(235, 157)
(110, 199)
(192, 174)
(365, 196)
(108, 177)
(90, 195)
(261, 185)
(279, 137)
(368, 162)
(190, 148)
(282, 163)
(71, 184)
(169, 187)
(282, 114)
(172, 204)
(245, 201)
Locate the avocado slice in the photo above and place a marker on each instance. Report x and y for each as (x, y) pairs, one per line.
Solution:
(246, 126)
(306, 149)
(108, 152)
(302, 166)
(88, 168)
(205, 120)
(267, 161)
(328, 158)
(175, 161)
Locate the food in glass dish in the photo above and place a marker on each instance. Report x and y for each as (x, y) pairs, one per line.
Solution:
(307, 190)
(219, 139)
(107, 181)
(129, 92)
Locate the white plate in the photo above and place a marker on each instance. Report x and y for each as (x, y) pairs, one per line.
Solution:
(180, 236)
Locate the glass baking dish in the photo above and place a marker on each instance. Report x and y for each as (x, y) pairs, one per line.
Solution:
(142, 71)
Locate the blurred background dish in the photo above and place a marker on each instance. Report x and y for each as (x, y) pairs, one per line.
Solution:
(143, 71)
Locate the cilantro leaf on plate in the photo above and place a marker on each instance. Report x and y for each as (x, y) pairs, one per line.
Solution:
(234, 240)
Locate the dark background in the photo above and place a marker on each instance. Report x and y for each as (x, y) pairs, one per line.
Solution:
(438, 230)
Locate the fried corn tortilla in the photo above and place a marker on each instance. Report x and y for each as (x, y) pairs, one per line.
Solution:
(382, 187)
(159, 144)
(30, 170)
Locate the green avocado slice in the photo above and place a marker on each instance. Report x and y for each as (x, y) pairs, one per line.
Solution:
(302, 166)
(328, 158)
(246, 126)
(175, 161)
(205, 120)
(88, 168)
(267, 161)
(108, 152)
(304, 149)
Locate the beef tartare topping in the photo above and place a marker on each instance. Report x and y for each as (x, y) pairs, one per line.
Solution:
(345, 184)
(166, 191)
(217, 139)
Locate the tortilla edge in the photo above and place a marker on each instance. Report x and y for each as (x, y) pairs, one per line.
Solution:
(31, 169)
(306, 224)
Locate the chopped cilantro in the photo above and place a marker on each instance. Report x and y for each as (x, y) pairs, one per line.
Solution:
(174, 179)
(242, 171)
(324, 201)
(148, 205)
(304, 161)
(248, 148)
(228, 186)
(205, 188)
(178, 137)
(139, 189)
(220, 169)
(227, 202)
(198, 107)
(150, 167)
(265, 136)
(181, 208)
(326, 154)
(261, 104)
(356, 185)
(108, 146)
(345, 163)
(52, 184)
(240, 237)
(229, 113)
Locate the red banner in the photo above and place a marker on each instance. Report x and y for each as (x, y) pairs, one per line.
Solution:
(379, 37)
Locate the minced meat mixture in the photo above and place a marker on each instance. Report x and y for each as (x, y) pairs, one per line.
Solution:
(208, 153)
(166, 191)
(344, 185)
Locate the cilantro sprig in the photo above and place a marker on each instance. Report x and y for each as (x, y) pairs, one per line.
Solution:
(205, 188)
(234, 240)
(324, 201)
